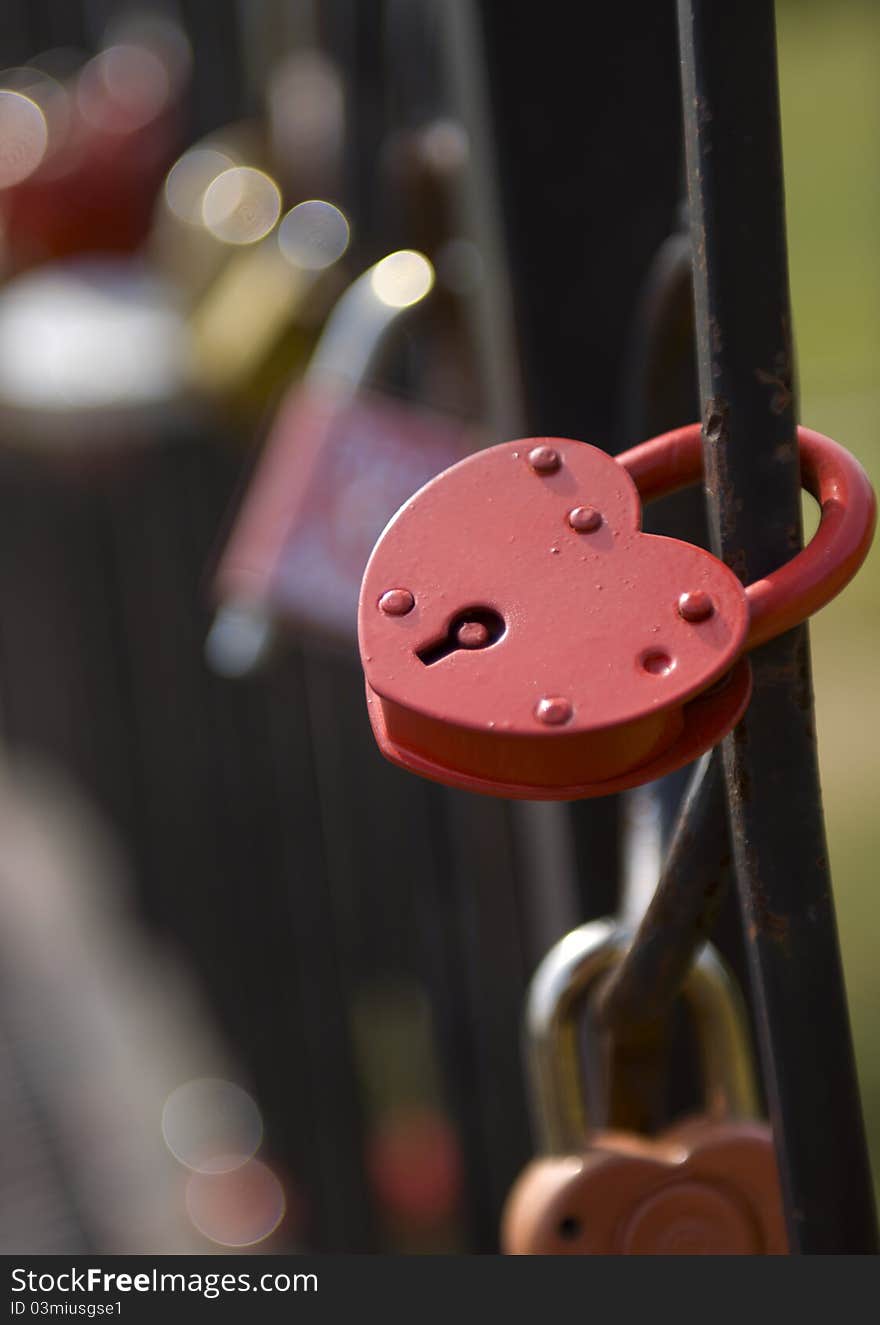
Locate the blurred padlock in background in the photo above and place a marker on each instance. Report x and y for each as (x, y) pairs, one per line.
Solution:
(266, 268)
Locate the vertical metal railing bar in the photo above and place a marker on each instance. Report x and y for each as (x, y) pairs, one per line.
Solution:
(743, 324)
(569, 159)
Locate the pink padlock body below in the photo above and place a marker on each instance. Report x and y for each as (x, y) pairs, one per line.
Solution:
(701, 1188)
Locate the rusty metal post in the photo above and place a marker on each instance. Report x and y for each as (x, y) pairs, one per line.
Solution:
(753, 486)
(681, 914)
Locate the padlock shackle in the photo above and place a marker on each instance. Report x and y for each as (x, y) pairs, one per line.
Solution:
(564, 1111)
(815, 575)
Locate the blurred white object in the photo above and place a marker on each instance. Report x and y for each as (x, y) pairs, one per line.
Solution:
(97, 1032)
(87, 336)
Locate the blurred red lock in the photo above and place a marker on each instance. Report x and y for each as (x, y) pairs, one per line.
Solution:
(98, 158)
(329, 481)
(414, 1161)
(337, 465)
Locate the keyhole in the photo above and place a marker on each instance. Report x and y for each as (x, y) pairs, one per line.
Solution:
(473, 628)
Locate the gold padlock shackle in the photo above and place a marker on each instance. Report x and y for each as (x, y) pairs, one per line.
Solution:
(556, 998)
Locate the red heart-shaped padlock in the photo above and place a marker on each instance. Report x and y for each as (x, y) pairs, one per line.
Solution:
(521, 636)
(538, 612)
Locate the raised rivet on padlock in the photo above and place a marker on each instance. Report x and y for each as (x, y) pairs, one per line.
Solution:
(396, 602)
(584, 519)
(696, 605)
(544, 460)
(553, 710)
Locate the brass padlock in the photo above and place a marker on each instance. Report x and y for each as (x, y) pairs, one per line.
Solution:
(706, 1186)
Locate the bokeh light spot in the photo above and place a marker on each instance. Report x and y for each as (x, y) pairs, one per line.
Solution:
(238, 1208)
(24, 137)
(211, 1125)
(123, 88)
(188, 180)
(402, 279)
(241, 205)
(314, 235)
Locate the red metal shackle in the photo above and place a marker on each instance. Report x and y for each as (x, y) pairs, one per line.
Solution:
(826, 565)
(522, 637)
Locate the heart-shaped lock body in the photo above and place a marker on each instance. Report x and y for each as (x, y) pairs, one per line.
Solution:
(702, 1188)
(521, 636)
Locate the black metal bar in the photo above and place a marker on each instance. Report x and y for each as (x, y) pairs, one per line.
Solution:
(572, 157)
(752, 477)
(682, 911)
(353, 34)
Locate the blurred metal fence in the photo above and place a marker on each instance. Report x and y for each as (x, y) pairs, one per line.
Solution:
(362, 939)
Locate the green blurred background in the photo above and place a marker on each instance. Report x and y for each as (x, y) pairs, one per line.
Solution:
(830, 85)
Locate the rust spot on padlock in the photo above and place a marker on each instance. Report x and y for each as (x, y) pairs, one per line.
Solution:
(598, 674)
(703, 1188)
